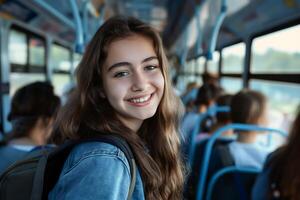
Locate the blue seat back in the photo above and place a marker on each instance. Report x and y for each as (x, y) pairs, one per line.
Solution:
(190, 189)
(208, 149)
(232, 183)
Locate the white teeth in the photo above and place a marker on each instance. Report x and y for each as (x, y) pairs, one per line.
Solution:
(140, 100)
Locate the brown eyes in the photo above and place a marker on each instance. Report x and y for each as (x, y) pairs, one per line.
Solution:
(120, 74)
(151, 67)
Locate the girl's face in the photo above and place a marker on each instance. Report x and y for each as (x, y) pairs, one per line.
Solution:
(132, 80)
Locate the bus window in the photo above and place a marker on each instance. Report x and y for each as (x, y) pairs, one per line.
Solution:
(60, 82)
(233, 58)
(277, 52)
(61, 58)
(188, 74)
(27, 59)
(231, 85)
(36, 52)
(17, 46)
(200, 62)
(77, 58)
(18, 80)
(213, 65)
(283, 100)
(190, 68)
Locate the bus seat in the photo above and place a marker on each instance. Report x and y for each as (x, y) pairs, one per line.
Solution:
(232, 183)
(208, 152)
(215, 163)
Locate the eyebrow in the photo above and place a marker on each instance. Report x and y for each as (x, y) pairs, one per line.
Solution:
(119, 64)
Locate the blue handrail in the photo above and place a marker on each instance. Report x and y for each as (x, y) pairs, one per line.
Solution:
(55, 13)
(224, 171)
(192, 145)
(211, 141)
(216, 30)
(79, 46)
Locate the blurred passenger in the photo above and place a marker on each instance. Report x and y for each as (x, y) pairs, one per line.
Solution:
(206, 97)
(248, 107)
(33, 109)
(201, 142)
(193, 90)
(221, 119)
(281, 176)
(189, 96)
(210, 78)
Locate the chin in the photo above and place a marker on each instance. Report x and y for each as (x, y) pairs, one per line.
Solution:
(146, 116)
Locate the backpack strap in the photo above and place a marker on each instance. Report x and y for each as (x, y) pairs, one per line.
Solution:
(37, 187)
(55, 162)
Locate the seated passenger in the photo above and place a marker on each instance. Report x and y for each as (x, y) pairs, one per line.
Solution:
(206, 96)
(32, 112)
(189, 96)
(280, 178)
(222, 119)
(210, 78)
(248, 107)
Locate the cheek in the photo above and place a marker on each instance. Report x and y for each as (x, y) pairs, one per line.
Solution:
(115, 90)
(159, 83)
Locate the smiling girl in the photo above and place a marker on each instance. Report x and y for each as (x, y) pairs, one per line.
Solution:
(123, 89)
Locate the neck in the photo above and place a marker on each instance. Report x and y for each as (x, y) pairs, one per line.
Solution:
(219, 125)
(247, 137)
(38, 135)
(133, 124)
(202, 109)
(23, 141)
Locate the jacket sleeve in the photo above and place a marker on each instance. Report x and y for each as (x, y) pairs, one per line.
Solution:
(93, 178)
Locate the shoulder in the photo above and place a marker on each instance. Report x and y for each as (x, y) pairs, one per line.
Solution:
(11, 151)
(96, 152)
(9, 155)
(96, 164)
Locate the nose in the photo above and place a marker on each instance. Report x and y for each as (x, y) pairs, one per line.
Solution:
(139, 82)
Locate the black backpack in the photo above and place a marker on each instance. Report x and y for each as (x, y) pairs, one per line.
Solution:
(35, 176)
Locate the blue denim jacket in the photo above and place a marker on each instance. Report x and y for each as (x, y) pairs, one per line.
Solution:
(97, 171)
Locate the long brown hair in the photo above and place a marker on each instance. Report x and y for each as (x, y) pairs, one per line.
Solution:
(286, 164)
(156, 146)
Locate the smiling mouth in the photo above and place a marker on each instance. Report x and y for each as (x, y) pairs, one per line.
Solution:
(141, 100)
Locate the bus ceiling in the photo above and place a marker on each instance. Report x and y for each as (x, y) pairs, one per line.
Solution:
(195, 27)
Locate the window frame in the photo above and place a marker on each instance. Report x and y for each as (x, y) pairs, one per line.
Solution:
(28, 68)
